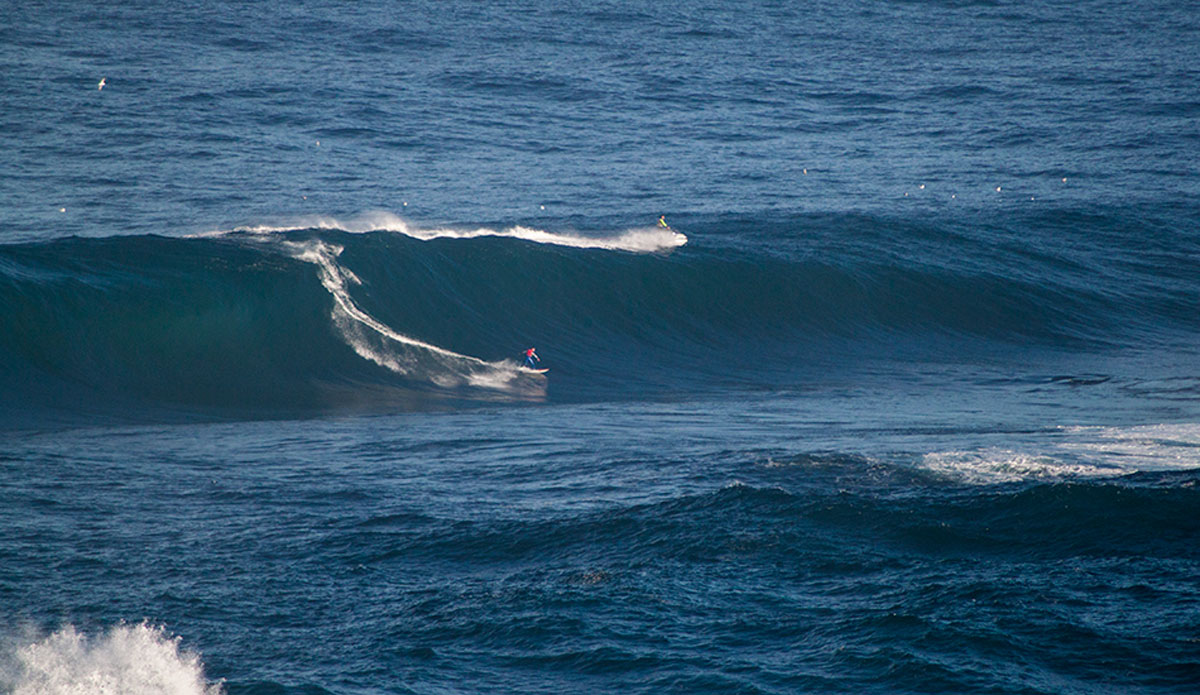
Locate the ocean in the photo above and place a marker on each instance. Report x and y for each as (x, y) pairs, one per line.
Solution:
(905, 399)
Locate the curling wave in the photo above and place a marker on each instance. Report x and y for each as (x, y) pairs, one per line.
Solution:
(297, 319)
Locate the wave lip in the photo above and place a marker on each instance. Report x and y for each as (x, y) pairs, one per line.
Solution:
(636, 239)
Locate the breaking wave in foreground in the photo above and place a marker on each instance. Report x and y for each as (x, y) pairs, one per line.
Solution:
(127, 660)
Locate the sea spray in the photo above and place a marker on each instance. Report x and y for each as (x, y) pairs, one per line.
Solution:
(137, 659)
(372, 340)
(634, 239)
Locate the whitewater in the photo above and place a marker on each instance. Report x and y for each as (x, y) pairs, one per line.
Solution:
(135, 659)
(643, 240)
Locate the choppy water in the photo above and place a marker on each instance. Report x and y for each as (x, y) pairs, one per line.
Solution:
(907, 401)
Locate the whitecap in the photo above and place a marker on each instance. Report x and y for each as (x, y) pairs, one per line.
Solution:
(128, 659)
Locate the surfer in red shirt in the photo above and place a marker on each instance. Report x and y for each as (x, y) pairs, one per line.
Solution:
(531, 358)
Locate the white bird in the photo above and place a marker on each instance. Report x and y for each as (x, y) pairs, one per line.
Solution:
(100, 86)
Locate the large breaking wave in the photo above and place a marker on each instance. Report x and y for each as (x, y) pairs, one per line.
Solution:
(328, 314)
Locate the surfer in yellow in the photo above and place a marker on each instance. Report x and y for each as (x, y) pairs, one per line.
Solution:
(662, 222)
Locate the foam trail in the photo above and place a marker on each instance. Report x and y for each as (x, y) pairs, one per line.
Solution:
(1079, 452)
(996, 466)
(1161, 447)
(637, 240)
(374, 341)
(128, 659)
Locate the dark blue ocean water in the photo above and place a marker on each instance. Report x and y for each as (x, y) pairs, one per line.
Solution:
(906, 401)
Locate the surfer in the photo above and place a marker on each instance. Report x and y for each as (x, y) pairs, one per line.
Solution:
(662, 222)
(531, 358)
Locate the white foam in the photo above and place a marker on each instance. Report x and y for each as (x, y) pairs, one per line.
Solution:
(994, 466)
(335, 278)
(638, 239)
(128, 659)
(1160, 447)
(373, 340)
(1077, 452)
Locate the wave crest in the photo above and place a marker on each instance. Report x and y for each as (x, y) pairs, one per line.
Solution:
(637, 239)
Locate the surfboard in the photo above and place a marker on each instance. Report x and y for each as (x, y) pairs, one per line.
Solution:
(536, 371)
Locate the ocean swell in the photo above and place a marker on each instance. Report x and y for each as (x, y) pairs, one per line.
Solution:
(317, 317)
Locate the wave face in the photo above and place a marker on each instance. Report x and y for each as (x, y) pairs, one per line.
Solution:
(375, 313)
